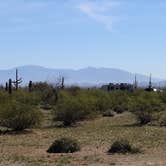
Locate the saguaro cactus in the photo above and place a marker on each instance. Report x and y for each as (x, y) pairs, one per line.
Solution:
(10, 86)
(150, 81)
(6, 86)
(135, 82)
(30, 86)
(62, 85)
(17, 81)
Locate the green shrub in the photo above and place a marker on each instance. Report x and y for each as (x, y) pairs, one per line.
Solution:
(47, 92)
(102, 100)
(40, 86)
(145, 106)
(4, 97)
(119, 101)
(46, 106)
(64, 145)
(122, 146)
(144, 117)
(25, 97)
(162, 120)
(49, 96)
(162, 97)
(69, 112)
(73, 90)
(70, 109)
(109, 113)
(119, 109)
(19, 116)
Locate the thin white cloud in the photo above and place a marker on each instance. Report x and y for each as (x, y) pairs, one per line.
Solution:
(100, 11)
(22, 13)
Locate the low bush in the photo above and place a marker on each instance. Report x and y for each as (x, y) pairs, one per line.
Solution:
(70, 109)
(162, 97)
(122, 146)
(24, 97)
(102, 100)
(109, 113)
(144, 117)
(119, 109)
(19, 116)
(162, 120)
(69, 112)
(46, 106)
(49, 97)
(145, 106)
(47, 92)
(3, 97)
(119, 101)
(64, 145)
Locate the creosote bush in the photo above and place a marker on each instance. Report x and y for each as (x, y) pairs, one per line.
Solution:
(162, 120)
(109, 113)
(64, 145)
(119, 101)
(47, 92)
(144, 117)
(74, 104)
(71, 109)
(145, 106)
(24, 97)
(19, 116)
(119, 109)
(78, 104)
(122, 146)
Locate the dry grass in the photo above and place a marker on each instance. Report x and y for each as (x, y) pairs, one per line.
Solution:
(95, 137)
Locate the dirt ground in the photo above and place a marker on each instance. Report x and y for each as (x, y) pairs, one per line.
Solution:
(95, 137)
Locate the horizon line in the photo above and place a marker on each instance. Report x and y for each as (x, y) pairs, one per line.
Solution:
(82, 68)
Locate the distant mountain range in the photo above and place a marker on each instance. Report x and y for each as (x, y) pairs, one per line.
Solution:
(83, 77)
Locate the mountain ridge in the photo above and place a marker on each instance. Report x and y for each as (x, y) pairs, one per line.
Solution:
(88, 75)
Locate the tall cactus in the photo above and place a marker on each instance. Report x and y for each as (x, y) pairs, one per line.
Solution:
(10, 86)
(30, 86)
(135, 82)
(6, 87)
(62, 85)
(17, 81)
(150, 81)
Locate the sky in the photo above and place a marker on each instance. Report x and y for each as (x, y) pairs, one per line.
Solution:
(124, 34)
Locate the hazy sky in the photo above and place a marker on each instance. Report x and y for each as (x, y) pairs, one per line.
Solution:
(126, 34)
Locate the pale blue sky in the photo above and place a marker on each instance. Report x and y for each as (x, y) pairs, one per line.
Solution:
(126, 34)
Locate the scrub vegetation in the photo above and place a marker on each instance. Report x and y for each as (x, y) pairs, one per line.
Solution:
(73, 126)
